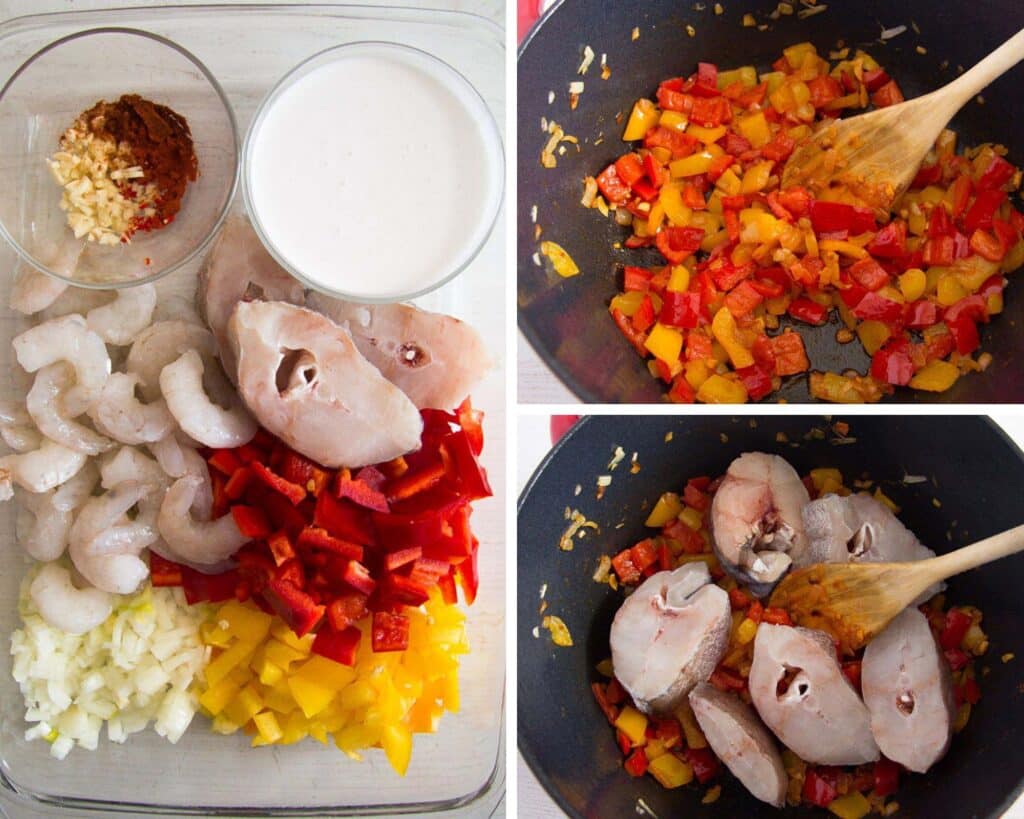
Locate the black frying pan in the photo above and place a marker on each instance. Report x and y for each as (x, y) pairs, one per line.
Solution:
(567, 321)
(564, 737)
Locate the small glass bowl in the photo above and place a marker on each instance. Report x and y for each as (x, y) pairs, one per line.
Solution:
(45, 95)
(467, 95)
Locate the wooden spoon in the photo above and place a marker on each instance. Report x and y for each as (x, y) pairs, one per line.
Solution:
(856, 601)
(878, 153)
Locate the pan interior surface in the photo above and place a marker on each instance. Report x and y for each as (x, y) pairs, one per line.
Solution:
(972, 470)
(566, 320)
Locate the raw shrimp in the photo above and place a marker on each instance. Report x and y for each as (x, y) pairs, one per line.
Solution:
(67, 339)
(123, 417)
(16, 427)
(44, 519)
(126, 316)
(75, 300)
(105, 550)
(159, 345)
(40, 469)
(177, 461)
(45, 405)
(182, 385)
(33, 291)
(175, 307)
(755, 520)
(199, 542)
(66, 607)
(131, 464)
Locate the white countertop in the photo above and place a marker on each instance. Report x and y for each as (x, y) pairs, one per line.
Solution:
(534, 438)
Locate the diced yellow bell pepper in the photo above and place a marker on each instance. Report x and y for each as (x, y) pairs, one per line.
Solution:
(282, 655)
(283, 633)
(746, 74)
(774, 79)
(833, 487)
(937, 376)
(692, 518)
(974, 271)
(676, 120)
(713, 240)
(781, 98)
(325, 672)
(846, 248)
(670, 771)
(268, 726)
(633, 724)
(452, 699)
(642, 118)
(561, 261)
(691, 730)
(708, 136)
(729, 183)
(873, 334)
(823, 474)
(950, 291)
(679, 279)
(912, 284)
(218, 695)
(311, 697)
(747, 631)
(246, 704)
(269, 674)
(628, 303)
(670, 198)
(227, 661)
(994, 303)
(664, 343)
(755, 128)
(667, 508)
(758, 226)
(696, 373)
(723, 325)
(852, 805)
(719, 390)
(245, 622)
(357, 695)
(654, 748)
(756, 177)
(796, 54)
(222, 725)
(397, 742)
(691, 165)
(296, 728)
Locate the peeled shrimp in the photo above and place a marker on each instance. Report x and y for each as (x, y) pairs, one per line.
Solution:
(67, 339)
(44, 520)
(123, 417)
(159, 345)
(40, 469)
(177, 461)
(126, 316)
(33, 291)
(16, 427)
(199, 542)
(75, 300)
(105, 550)
(182, 385)
(131, 464)
(45, 405)
(66, 607)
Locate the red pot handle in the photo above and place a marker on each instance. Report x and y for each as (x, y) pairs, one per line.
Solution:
(529, 12)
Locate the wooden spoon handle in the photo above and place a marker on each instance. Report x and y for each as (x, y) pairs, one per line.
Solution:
(984, 551)
(981, 75)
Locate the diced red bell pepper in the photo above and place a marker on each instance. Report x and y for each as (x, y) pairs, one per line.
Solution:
(608, 708)
(466, 473)
(446, 583)
(294, 606)
(696, 497)
(876, 307)
(939, 223)
(698, 347)
(625, 324)
(756, 380)
(390, 632)
(997, 174)
(292, 491)
(776, 616)
(954, 629)
(988, 246)
(212, 588)
(779, 149)
(756, 611)
(677, 143)
(824, 90)
(400, 589)
(360, 493)
(468, 574)
(875, 79)
(890, 242)
(711, 112)
(739, 599)
(1005, 232)
(892, 363)
(719, 165)
(637, 279)
(680, 309)
(973, 307)
(280, 547)
(248, 453)
(224, 461)
(358, 577)
(753, 96)
(725, 680)
(346, 610)
(851, 670)
(163, 572)
(472, 423)
(636, 763)
(612, 187)
(251, 521)
(887, 777)
(644, 555)
(982, 210)
(301, 470)
(293, 571)
(340, 646)
(676, 243)
(734, 144)
(427, 571)
(920, 314)
(804, 309)
(869, 274)
(888, 94)
(940, 251)
(395, 560)
(704, 763)
(654, 170)
(314, 537)
(238, 483)
(625, 568)
(681, 392)
(957, 658)
(221, 502)
(645, 190)
(820, 786)
(927, 175)
(706, 82)
(827, 217)
(971, 691)
(789, 353)
(343, 519)
(643, 318)
(414, 482)
(796, 200)
(629, 168)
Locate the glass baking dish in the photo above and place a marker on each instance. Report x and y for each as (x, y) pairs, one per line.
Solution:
(462, 767)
